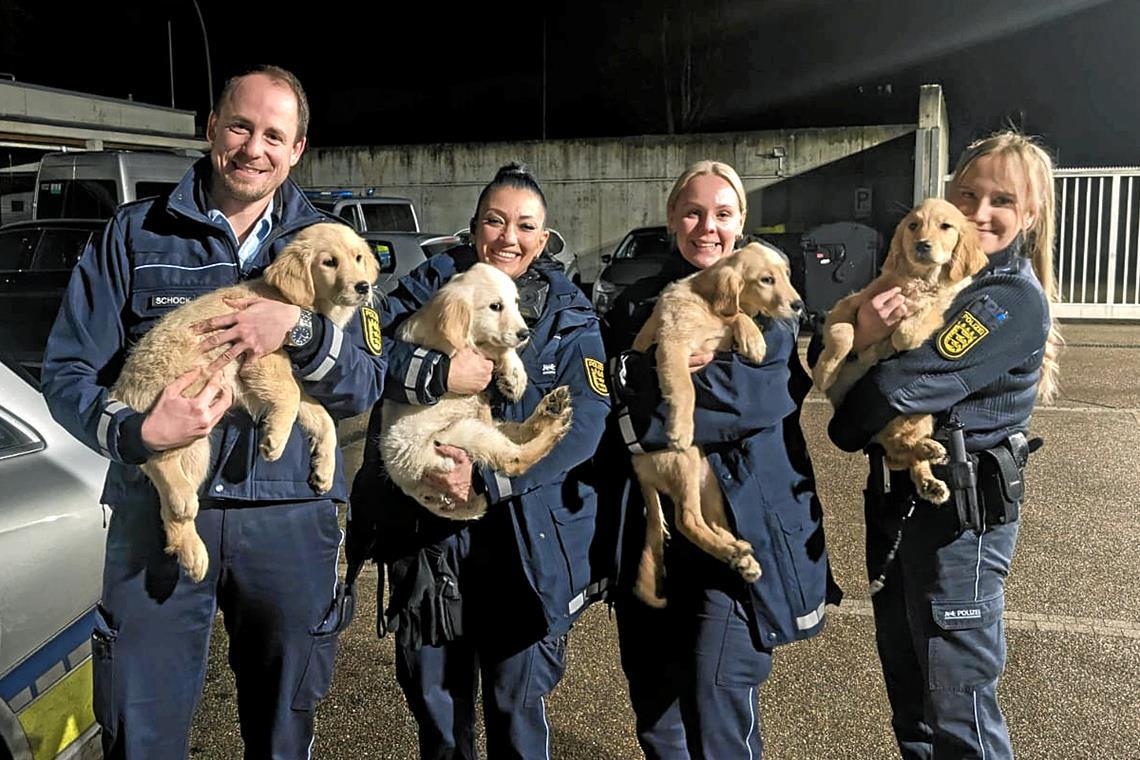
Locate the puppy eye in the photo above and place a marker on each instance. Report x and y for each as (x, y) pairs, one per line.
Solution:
(359, 258)
(496, 306)
(768, 280)
(912, 226)
(330, 262)
(947, 226)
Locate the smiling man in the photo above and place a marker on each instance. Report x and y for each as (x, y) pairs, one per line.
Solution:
(272, 539)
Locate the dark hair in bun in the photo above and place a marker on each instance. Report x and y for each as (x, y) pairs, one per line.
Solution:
(515, 175)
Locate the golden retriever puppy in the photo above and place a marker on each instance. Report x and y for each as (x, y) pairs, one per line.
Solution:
(478, 309)
(934, 254)
(712, 310)
(326, 268)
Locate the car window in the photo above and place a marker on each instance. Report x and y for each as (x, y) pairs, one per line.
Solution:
(60, 249)
(77, 199)
(145, 189)
(16, 248)
(388, 217)
(647, 245)
(17, 438)
(349, 215)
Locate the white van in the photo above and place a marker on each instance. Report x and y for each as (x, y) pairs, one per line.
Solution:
(90, 185)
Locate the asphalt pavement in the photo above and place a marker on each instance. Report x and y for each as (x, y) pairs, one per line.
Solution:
(1072, 683)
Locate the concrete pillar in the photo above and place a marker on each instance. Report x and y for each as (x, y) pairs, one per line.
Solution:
(931, 144)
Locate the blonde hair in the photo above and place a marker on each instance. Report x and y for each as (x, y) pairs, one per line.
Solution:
(720, 169)
(1037, 169)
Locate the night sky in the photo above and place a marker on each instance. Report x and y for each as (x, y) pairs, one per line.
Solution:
(387, 73)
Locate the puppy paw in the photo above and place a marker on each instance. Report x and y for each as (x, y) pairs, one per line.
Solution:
(556, 403)
(752, 347)
(748, 568)
(512, 382)
(321, 475)
(272, 445)
(931, 450)
(191, 552)
(934, 491)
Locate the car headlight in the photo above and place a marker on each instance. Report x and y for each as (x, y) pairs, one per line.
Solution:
(603, 294)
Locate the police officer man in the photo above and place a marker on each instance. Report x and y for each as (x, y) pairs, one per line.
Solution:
(272, 540)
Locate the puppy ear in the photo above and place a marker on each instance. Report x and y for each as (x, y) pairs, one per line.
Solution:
(968, 257)
(291, 273)
(455, 320)
(895, 262)
(721, 288)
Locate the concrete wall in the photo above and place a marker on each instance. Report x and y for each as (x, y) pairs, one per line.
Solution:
(598, 189)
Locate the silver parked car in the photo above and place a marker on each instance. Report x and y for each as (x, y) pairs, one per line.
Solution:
(51, 567)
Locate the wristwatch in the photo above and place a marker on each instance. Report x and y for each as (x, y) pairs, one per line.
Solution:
(302, 332)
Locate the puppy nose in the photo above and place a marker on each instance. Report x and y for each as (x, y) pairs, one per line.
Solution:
(362, 288)
(797, 306)
(523, 334)
(922, 246)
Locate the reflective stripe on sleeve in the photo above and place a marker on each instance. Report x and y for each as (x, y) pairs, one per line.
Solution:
(413, 374)
(330, 360)
(109, 412)
(593, 591)
(503, 483)
(627, 434)
(812, 619)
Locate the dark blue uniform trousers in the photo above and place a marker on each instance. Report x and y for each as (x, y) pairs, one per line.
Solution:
(694, 671)
(440, 684)
(272, 574)
(939, 630)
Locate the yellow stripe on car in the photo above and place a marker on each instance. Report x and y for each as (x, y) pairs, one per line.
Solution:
(61, 714)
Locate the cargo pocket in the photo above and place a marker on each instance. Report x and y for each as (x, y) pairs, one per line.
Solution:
(547, 664)
(785, 538)
(575, 535)
(103, 638)
(739, 664)
(317, 675)
(967, 648)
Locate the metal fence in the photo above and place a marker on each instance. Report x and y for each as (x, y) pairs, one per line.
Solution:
(1098, 239)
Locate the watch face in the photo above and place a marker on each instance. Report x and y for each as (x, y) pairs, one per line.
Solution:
(302, 332)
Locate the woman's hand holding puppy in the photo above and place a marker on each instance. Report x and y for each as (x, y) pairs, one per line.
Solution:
(877, 318)
(469, 372)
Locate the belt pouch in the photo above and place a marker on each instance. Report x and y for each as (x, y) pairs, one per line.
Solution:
(1000, 485)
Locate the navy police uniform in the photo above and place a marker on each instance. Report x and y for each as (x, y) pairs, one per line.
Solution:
(493, 598)
(938, 617)
(694, 668)
(272, 540)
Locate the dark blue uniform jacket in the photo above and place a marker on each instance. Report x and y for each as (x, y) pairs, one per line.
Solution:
(548, 514)
(985, 363)
(154, 254)
(748, 426)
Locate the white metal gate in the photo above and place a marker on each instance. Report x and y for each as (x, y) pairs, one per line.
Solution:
(1098, 238)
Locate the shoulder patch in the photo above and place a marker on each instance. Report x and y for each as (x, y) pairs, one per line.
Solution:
(596, 375)
(961, 335)
(370, 326)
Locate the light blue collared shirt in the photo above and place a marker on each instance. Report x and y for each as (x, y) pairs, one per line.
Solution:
(252, 243)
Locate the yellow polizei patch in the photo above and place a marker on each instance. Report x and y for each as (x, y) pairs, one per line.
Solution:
(596, 375)
(61, 714)
(958, 337)
(370, 322)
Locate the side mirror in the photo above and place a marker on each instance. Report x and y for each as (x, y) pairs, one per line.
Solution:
(607, 258)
